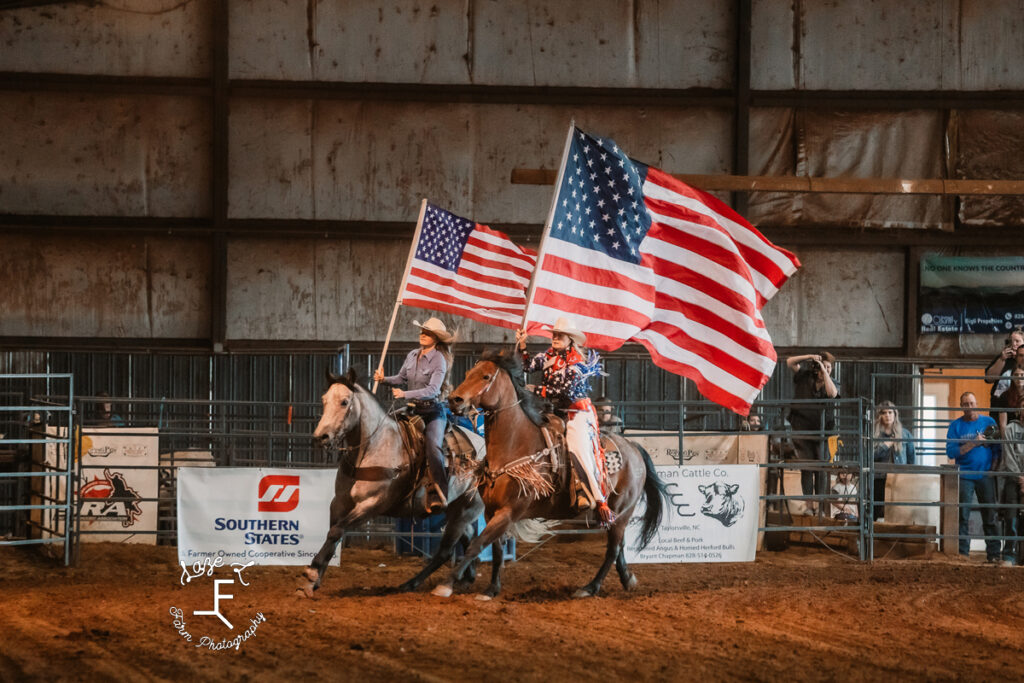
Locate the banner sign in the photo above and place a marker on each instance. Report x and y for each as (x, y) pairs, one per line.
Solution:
(711, 515)
(246, 514)
(971, 295)
(703, 449)
(119, 471)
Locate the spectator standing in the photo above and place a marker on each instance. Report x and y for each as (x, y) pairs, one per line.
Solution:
(752, 423)
(968, 445)
(1012, 460)
(105, 415)
(893, 445)
(608, 421)
(997, 373)
(812, 378)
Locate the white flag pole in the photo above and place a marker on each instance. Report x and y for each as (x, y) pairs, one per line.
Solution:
(401, 287)
(547, 224)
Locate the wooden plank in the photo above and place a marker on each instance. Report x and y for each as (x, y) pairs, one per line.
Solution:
(747, 183)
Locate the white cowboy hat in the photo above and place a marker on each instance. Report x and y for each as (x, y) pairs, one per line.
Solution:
(569, 329)
(436, 328)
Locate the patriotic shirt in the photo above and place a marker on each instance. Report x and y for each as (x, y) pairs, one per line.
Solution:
(564, 381)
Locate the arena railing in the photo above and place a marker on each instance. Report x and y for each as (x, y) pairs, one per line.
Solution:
(929, 425)
(34, 500)
(271, 434)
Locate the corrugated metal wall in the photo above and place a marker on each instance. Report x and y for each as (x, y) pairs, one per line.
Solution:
(352, 111)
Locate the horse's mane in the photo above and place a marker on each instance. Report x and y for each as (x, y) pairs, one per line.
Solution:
(509, 361)
(352, 380)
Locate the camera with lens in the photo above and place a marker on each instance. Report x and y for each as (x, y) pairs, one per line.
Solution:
(991, 431)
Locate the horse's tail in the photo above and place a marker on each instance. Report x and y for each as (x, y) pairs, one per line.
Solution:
(533, 530)
(655, 496)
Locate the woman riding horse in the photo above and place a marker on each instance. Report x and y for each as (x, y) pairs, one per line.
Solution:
(565, 383)
(424, 372)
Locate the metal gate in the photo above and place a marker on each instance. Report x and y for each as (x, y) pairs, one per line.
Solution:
(35, 461)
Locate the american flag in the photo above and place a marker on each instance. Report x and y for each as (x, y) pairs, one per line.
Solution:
(468, 269)
(636, 255)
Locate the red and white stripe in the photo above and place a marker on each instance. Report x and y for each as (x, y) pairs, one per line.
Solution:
(490, 285)
(694, 301)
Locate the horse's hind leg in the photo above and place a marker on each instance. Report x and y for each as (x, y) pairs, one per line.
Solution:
(497, 562)
(461, 514)
(612, 551)
(627, 577)
(468, 577)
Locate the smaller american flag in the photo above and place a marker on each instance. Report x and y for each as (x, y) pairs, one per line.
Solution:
(468, 269)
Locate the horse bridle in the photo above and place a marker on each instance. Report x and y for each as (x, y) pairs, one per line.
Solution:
(488, 412)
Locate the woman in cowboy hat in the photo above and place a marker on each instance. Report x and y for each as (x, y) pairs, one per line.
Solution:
(565, 383)
(424, 372)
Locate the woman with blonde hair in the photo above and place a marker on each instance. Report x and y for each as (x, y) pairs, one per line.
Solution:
(893, 445)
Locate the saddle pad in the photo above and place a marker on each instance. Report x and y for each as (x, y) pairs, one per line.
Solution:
(612, 456)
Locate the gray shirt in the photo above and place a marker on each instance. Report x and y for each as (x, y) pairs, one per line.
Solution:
(423, 375)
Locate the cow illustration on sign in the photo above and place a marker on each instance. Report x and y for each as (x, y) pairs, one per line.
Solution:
(721, 502)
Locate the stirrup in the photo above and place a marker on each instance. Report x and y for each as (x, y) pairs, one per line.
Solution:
(440, 502)
(605, 513)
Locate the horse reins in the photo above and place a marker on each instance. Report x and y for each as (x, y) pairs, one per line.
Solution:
(375, 473)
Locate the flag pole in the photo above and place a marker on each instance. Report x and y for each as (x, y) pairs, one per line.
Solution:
(547, 224)
(401, 287)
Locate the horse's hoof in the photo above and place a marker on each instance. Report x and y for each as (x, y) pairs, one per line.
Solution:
(582, 593)
(442, 591)
(632, 583)
(311, 574)
(483, 597)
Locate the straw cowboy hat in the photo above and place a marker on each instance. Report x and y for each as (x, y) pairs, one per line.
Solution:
(436, 328)
(569, 329)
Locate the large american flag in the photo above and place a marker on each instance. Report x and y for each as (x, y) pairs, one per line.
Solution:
(636, 255)
(468, 269)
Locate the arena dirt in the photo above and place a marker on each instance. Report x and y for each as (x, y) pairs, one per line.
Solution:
(796, 615)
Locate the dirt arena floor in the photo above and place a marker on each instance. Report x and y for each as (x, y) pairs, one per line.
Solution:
(797, 615)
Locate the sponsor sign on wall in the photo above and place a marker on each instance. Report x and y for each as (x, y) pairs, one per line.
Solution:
(243, 514)
(703, 449)
(710, 515)
(119, 471)
(971, 295)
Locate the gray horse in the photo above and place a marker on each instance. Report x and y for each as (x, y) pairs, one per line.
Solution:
(376, 476)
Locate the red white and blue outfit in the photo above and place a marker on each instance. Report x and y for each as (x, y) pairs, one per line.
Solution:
(565, 383)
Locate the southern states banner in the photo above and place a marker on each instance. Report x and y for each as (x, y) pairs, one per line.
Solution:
(711, 515)
(245, 514)
(970, 295)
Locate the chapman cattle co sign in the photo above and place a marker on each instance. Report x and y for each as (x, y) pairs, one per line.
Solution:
(241, 514)
(710, 515)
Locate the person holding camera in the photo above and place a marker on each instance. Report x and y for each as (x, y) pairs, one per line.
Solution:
(968, 444)
(997, 373)
(812, 379)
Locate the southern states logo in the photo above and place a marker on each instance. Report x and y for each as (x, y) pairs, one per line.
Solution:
(278, 493)
(238, 632)
(110, 498)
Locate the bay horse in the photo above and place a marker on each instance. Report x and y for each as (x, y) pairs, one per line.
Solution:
(377, 475)
(522, 481)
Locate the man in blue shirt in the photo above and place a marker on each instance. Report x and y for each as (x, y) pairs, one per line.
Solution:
(967, 444)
